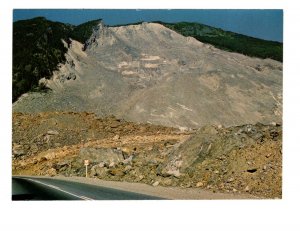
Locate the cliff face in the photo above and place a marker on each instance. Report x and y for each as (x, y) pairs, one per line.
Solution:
(149, 73)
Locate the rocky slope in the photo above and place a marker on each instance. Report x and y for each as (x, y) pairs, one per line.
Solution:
(176, 92)
(149, 73)
(243, 159)
(229, 41)
(38, 49)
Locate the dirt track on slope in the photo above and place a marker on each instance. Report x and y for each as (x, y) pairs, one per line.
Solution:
(241, 160)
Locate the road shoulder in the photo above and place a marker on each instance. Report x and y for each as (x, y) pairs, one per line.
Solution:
(174, 193)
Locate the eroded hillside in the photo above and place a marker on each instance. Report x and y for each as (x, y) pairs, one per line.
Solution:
(244, 159)
(200, 117)
(149, 73)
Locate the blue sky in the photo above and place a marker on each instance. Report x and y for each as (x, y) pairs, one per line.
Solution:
(265, 24)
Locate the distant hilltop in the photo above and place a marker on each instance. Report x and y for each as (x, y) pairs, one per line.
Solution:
(44, 49)
(146, 72)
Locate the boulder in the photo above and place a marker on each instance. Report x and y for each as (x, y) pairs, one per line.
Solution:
(231, 179)
(61, 165)
(247, 189)
(98, 155)
(116, 172)
(128, 151)
(101, 165)
(174, 172)
(18, 150)
(171, 169)
(128, 160)
(52, 132)
(199, 184)
(167, 182)
(34, 148)
(51, 172)
(50, 155)
(98, 170)
(141, 177)
(127, 168)
(156, 183)
(18, 153)
(116, 137)
(93, 171)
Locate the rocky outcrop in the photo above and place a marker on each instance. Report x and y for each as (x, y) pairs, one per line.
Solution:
(149, 73)
(98, 31)
(236, 159)
(100, 155)
(18, 150)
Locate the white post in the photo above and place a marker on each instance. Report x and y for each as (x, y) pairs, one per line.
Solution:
(86, 163)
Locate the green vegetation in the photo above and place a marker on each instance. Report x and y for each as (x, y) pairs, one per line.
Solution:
(128, 24)
(226, 40)
(83, 31)
(38, 49)
(229, 41)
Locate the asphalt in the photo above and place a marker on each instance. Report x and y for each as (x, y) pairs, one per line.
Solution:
(31, 188)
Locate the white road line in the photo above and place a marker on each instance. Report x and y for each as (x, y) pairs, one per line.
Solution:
(59, 189)
(55, 187)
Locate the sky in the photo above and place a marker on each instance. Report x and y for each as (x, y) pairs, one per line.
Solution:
(264, 24)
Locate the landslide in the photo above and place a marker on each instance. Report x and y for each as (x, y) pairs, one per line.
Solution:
(240, 159)
(245, 158)
(58, 142)
(149, 73)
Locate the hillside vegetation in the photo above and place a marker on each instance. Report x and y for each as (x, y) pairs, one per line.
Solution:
(226, 40)
(83, 31)
(38, 47)
(229, 41)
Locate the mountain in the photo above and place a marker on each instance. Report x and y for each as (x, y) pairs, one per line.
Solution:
(150, 73)
(83, 32)
(109, 90)
(229, 41)
(38, 49)
(226, 40)
(44, 49)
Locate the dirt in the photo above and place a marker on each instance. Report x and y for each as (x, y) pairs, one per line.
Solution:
(148, 74)
(246, 158)
(241, 160)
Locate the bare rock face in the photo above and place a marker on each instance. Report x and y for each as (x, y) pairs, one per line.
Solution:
(18, 150)
(239, 159)
(149, 73)
(100, 155)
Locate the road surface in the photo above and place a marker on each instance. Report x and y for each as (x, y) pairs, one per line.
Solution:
(31, 188)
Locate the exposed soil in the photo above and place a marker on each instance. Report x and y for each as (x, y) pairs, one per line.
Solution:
(149, 73)
(240, 160)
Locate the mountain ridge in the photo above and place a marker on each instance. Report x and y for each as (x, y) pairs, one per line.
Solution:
(40, 59)
(150, 73)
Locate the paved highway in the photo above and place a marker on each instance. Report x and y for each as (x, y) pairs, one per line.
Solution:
(31, 188)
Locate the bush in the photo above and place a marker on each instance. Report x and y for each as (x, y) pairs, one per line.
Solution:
(230, 41)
